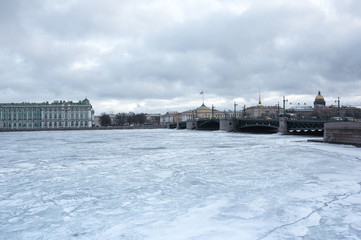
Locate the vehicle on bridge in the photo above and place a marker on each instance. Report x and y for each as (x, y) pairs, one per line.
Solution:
(288, 115)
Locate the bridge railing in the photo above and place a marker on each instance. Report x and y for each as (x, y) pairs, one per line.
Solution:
(302, 125)
(245, 123)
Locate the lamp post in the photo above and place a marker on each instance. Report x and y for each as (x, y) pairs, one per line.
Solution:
(338, 106)
(212, 111)
(235, 110)
(284, 104)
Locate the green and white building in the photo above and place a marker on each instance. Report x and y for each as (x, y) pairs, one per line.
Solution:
(58, 114)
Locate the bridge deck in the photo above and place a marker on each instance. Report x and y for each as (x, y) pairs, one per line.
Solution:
(247, 123)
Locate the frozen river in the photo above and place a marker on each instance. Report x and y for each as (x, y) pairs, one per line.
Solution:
(169, 184)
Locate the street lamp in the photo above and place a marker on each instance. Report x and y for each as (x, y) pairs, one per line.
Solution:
(235, 110)
(212, 111)
(338, 106)
(284, 104)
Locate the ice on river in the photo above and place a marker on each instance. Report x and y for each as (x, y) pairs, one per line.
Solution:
(176, 184)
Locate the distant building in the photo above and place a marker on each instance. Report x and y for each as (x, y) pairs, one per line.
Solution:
(319, 101)
(261, 111)
(112, 118)
(188, 115)
(202, 112)
(58, 114)
(231, 114)
(302, 112)
(321, 111)
(335, 111)
(153, 118)
(170, 117)
(97, 121)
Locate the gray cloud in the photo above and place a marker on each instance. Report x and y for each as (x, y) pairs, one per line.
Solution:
(165, 53)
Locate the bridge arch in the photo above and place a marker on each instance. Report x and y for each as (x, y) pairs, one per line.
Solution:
(208, 124)
(258, 125)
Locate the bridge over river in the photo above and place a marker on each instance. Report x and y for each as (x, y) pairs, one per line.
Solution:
(284, 125)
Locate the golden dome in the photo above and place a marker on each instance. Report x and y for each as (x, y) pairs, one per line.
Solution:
(319, 96)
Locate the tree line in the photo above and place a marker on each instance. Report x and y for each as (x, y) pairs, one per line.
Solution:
(122, 119)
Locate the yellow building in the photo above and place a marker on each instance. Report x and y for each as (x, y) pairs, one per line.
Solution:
(202, 112)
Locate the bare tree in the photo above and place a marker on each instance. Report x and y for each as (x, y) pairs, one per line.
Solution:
(130, 118)
(140, 118)
(105, 120)
(120, 119)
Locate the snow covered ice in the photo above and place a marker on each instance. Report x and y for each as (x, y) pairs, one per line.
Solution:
(172, 184)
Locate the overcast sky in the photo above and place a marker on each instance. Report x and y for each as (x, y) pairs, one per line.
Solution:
(154, 56)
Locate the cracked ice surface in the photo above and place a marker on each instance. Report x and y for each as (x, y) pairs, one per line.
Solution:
(169, 184)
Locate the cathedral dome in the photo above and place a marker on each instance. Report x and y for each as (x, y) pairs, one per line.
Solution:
(319, 96)
(319, 100)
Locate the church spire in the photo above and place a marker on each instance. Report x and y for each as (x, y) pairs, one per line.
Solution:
(259, 100)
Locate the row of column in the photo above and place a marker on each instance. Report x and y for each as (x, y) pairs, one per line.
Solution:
(36, 119)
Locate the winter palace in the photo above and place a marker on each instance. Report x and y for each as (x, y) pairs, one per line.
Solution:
(58, 114)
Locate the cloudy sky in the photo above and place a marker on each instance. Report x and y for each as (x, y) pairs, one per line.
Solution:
(153, 56)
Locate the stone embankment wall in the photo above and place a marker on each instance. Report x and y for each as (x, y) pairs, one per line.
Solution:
(343, 132)
(75, 129)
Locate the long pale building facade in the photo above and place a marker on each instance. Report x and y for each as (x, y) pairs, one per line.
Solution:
(58, 114)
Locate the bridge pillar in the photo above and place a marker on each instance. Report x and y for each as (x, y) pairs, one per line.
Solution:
(283, 125)
(181, 125)
(227, 125)
(191, 124)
